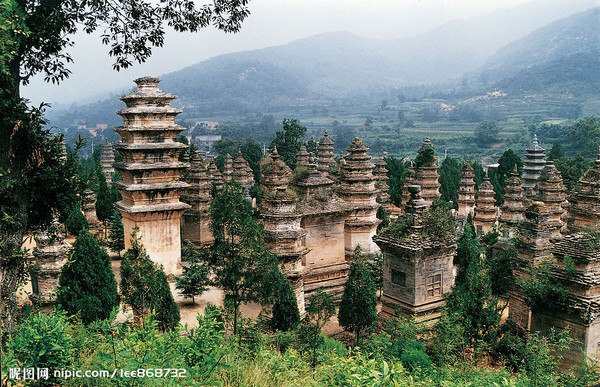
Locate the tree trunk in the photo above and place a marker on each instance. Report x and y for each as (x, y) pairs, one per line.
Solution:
(235, 315)
(12, 263)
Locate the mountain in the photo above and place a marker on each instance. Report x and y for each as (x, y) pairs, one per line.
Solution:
(579, 33)
(576, 74)
(317, 70)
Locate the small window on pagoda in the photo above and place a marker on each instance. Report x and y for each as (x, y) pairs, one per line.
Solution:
(398, 278)
(479, 231)
(434, 285)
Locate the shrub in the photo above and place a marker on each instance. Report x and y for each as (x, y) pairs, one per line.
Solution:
(87, 285)
(76, 222)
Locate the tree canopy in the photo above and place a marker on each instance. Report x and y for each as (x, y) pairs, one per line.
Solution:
(242, 266)
(289, 140)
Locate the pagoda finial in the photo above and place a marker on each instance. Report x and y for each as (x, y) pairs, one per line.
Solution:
(535, 140)
(275, 154)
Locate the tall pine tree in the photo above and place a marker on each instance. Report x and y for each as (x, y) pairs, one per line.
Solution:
(87, 285)
(195, 278)
(145, 288)
(242, 266)
(116, 237)
(472, 298)
(358, 307)
(286, 315)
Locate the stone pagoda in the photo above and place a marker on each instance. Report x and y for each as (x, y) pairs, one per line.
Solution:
(417, 268)
(282, 223)
(485, 210)
(88, 206)
(151, 172)
(357, 187)
(50, 253)
(584, 209)
(325, 156)
(107, 160)
(466, 195)
(380, 173)
(580, 312)
(227, 168)
(216, 178)
(302, 157)
(323, 219)
(241, 171)
(532, 167)
(196, 220)
(512, 210)
(409, 179)
(426, 174)
(537, 234)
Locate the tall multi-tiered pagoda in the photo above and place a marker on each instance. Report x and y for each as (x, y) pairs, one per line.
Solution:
(151, 172)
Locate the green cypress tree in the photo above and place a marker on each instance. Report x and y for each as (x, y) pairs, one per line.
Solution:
(359, 301)
(76, 222)
(242, 266)
(145, 288)
(106, 198)
(87, 284)
(472, 298)
(195, 278)
(116, 237)
(506, 164)
(286, 315)
(289, 140)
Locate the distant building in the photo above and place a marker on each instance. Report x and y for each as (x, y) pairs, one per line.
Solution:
(208, 125)
(205, 143)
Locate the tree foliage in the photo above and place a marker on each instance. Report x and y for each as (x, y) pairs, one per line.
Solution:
(144, 287)
(572, 169)
(289, 140)
(498, 177)
(318, 312)
(359, 301)
(586, 135)
(450, 179)
(106, 198)
(87, 285)
(242, 266)
(34, 37)
(397, 170)
(472, 299)
(43, 341)
(116, 233)
(195, 278)
(76, 222)
(286, 315)
(486, 134)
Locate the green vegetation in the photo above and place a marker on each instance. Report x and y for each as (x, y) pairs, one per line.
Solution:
(87, 286)
(486, 134)
(76, 222)
(318, 312)
(286, 315)
(116, 233)
(358, 307)
(288, 141)
(498, 177)
(242, 266)
(144, 287)
(195, 278)
(472, 301)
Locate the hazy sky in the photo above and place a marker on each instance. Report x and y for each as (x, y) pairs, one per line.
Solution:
(272, 22)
